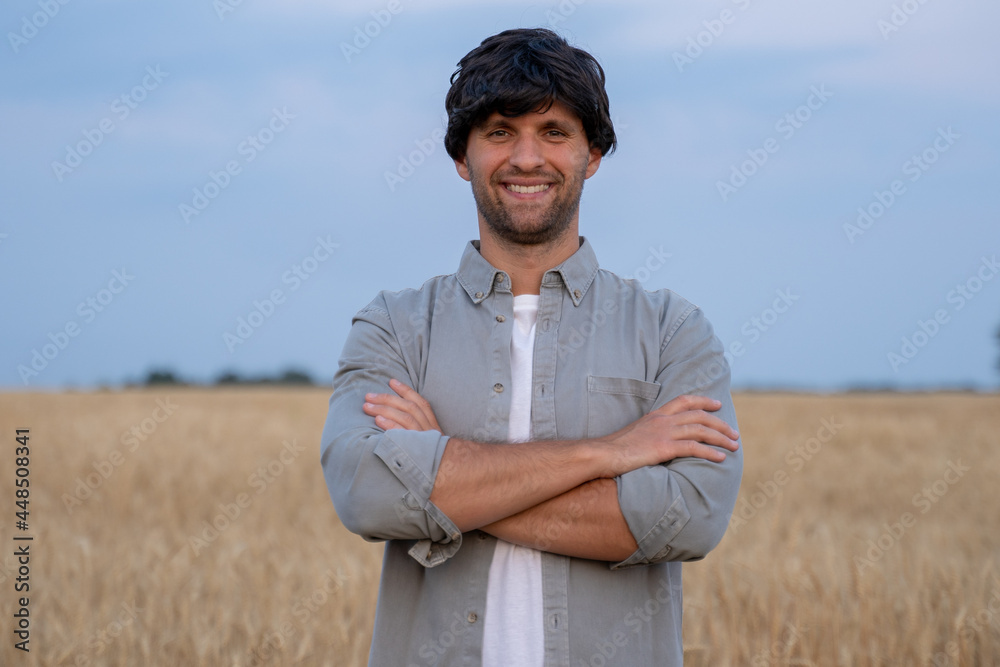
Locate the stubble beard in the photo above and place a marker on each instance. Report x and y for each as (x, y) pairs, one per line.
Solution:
(549, 224)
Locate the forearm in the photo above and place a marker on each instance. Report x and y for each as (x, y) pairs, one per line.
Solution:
(585, 522)
(479, 484)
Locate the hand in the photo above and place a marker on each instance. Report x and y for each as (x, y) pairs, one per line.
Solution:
(681, 428)
(408, 410)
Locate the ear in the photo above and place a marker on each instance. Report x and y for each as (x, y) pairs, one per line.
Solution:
(593, 162)
(462, 167)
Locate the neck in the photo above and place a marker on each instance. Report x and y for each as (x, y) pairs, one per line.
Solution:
(527, 264)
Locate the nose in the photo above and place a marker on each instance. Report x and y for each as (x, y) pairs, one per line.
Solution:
(527, 153)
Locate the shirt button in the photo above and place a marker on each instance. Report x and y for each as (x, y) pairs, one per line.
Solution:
(498, 279)
(500, 318)
(473, 617)
(479, 295)
(577, 293)
(498, 388)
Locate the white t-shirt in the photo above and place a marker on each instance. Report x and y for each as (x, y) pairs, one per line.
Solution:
(514, 632)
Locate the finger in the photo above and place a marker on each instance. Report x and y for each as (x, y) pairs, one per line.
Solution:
(693, 449)
(404, 390)
(419, 401)
(389, 399)
(403, 412)
(704, 434)
(709, 454)
(403, 419)
(403, 406)
(387, 424)
(699, 417)
(688, 402)
(411, 395)
(709, 420)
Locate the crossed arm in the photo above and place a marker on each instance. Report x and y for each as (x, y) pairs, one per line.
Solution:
(557, 496)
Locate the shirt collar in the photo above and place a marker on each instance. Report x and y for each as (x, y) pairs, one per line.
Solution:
(478, 277)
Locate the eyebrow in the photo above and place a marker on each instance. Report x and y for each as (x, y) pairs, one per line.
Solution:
(563, 126)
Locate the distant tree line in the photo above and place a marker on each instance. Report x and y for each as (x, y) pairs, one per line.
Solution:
(291, 376)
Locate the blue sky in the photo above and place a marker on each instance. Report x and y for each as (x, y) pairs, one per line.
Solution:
(167, 170)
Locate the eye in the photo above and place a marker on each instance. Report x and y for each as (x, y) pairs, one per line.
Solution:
(498, 133)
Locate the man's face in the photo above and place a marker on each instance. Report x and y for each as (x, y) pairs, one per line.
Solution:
(527, 173)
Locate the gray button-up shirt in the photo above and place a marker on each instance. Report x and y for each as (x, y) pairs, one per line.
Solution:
(606, 353)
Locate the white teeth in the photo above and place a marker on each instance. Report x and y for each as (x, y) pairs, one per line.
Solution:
(528, 189)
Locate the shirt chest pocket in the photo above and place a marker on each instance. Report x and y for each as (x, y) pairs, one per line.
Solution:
(613, 403)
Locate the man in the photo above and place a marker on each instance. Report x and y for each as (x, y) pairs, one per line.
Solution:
(540, 442)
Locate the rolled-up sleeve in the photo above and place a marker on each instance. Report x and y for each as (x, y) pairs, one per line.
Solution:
(679, 511)
(381, 481)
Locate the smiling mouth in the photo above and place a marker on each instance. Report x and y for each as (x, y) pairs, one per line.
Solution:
(527, 189)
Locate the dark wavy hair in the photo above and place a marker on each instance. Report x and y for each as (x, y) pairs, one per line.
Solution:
(517, 71)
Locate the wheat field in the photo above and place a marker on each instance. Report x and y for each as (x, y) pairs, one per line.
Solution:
(184, 526)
